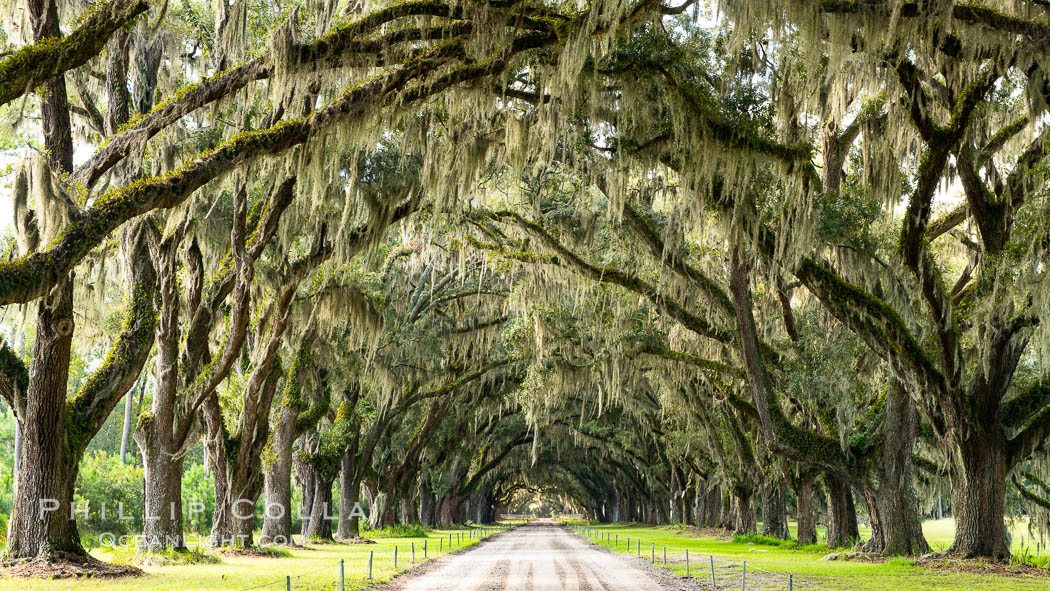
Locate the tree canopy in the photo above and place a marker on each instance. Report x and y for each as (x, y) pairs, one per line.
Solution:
(664, 263)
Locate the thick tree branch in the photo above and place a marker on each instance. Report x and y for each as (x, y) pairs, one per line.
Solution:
(1029, 411)
(32, 65)
(92, 404)
(1028, 494)
(609, 275)
(31, 276)
(676, 263)
(665, 352)
(964, 13)
(341, 42)
(14, 379)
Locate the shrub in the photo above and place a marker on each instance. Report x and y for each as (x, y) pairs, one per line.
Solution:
(104, 485)
(132, 555)
(1025, 557)
(413, 530)
(198, 486)
(764, 541)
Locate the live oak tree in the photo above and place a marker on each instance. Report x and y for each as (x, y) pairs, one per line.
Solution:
(598, 230)
(868, 313)
(954, 94)
(431, 71)
(56, 431)
(186, 373)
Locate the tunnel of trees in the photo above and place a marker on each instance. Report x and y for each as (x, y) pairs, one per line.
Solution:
(723, 265)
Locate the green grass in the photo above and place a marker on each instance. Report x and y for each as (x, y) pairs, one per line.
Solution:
(940, 533)
(803, 563)
(396, 531)
(315, 568)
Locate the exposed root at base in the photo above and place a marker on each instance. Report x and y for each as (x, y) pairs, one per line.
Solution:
(254, 551)
(70, 566)
(357, 540)
(944, 562)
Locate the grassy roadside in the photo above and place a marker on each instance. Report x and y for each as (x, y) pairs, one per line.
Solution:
(314, 568)
(803, 564)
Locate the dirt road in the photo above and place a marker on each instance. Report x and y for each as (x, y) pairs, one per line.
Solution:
(541, 556)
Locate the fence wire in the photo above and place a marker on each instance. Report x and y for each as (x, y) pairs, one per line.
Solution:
(482, 533)
(333, 566)
(727, 574)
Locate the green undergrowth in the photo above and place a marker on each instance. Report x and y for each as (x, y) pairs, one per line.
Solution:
(134, 556)
(1027, 558)
(757, 540)
(414, 530)
(273, 551)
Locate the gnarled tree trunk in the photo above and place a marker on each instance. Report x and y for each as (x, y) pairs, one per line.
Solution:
(689, 503)
(48, 467)
(277, 483)
(894, 509)
(744, 522)
(349, 497)
(979, 470)
(162, 457)
(317, 503)
(162, 500)
(409, 512)
(807, 522)
(57, 430)
(774, 511)
(843, 530)
(377, 509)
(426, 501)
(451, 510)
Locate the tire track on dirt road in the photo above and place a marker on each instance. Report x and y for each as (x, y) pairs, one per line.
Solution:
(544, 556)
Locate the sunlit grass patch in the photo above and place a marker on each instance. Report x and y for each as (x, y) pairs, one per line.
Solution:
(770, 561)
(313, 568)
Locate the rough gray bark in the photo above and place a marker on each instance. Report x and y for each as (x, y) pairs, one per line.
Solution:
(714, 509)
(689, 503)
(17, 456)
(161, 453)
(774, 510)
(377, 509)
(317, 508)
(295, 418)
(222, 519)
(807, 522)
(744, 521)
(451, 510)
(349, 496)
(125, 433)
(979, 496)
(842, 529)
(162, 504)
(57, 431)
(677, 498)
(892, 504)
(427, 501)
(409, 509)
(277, 486)
(46, 469)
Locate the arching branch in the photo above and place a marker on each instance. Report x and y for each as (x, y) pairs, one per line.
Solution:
(32, 65)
